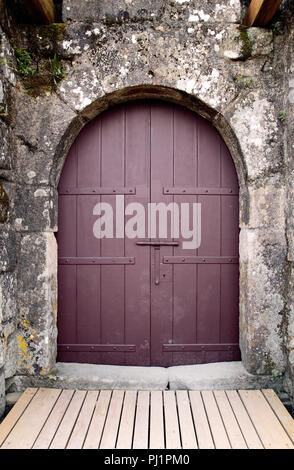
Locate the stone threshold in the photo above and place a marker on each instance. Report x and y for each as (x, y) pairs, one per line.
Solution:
(221, 375)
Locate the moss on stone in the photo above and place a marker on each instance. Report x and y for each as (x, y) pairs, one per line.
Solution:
(54, 31)
(246, 43)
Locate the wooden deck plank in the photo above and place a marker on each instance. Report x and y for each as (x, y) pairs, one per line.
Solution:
(98, 420)
(125, 436)
(15, 413)
(203, 433)
(245, 423)
(186, 421)
(269, 428)
(28, 427)
(156, 421)
(79, 432)
(75, 419)
(51, 426)
(140, 440)
(64, 431)
(280, 411)
(172, 432)
(234, 433)
(218, 431)
(111, 427)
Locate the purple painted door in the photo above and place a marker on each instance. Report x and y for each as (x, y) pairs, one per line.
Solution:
(148, 300)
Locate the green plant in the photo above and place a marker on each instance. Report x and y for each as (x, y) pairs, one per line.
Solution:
(282, 115)
(24, 62)
(55, 69)
(243, 81)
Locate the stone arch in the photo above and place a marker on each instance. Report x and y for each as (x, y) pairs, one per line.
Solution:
(158, 92)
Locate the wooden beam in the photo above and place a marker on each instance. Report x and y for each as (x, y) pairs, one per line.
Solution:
(261, 12)
(41, 11)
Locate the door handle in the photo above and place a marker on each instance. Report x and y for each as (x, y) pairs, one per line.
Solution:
(156, 265)
(157, 243)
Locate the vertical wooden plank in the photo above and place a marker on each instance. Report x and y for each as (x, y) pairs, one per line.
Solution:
(161, 175)
(80, 429)
(137, 174)
(112, 288)
(66, 318)
(203, 433)
(281, 412)
(125, 436)
(28, 427)
(270, 430)
(16, 412)
(111, 427)
(186, 421)
(232, 427)
(65, 428)
(184, 277)
(47, 434)
(208, 279)
(172, 432)
(208, 307)
(97, 423)
(218, 431)
(209, 169)
(245, 423)
(156, 421)
(142, 421)
(88, 277)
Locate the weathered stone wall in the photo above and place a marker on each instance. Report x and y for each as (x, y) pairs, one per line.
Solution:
(8, 243)
(190, 52)
(289, 172)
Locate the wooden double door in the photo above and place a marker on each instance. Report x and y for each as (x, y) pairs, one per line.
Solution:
(148, 300)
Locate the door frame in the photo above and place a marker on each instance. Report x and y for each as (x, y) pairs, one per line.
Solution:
(261, 344)
(186, 101)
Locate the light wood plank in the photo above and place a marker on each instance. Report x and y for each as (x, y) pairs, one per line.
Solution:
(15, 413)
(156, 421)
(98, 420)
(280, 411)
(203, 433)
(261, 12)
(172, 432)
(81, 427)
(125, 435)
(186, 421)
(265, 421)
(64, 431)
(28, 427)
(110, 431)
(232, 427)
(41, 10)
(47, 434)
(248, 430)
(218, 431)
(142, 421)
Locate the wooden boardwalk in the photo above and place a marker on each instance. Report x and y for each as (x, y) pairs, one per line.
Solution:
(76, 419)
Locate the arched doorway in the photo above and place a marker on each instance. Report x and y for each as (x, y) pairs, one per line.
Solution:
(149, 300)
